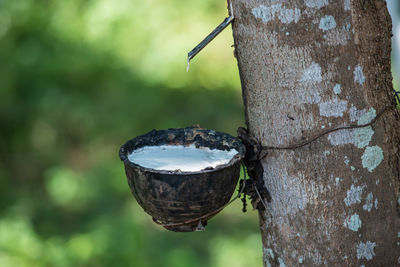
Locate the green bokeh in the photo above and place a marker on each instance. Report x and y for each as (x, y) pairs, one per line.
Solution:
(78, 78)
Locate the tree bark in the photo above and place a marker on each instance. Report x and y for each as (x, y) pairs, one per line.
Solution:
(307, 66)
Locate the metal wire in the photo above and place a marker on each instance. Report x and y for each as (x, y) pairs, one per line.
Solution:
(351, 126)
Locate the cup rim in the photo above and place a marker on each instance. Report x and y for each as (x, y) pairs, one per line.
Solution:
(135, 143)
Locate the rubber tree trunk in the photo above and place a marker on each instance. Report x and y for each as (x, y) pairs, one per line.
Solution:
(306, 66)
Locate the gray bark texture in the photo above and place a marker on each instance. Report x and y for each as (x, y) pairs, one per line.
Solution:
(307, 66)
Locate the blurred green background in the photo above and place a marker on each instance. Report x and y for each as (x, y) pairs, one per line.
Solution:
(78, 78)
